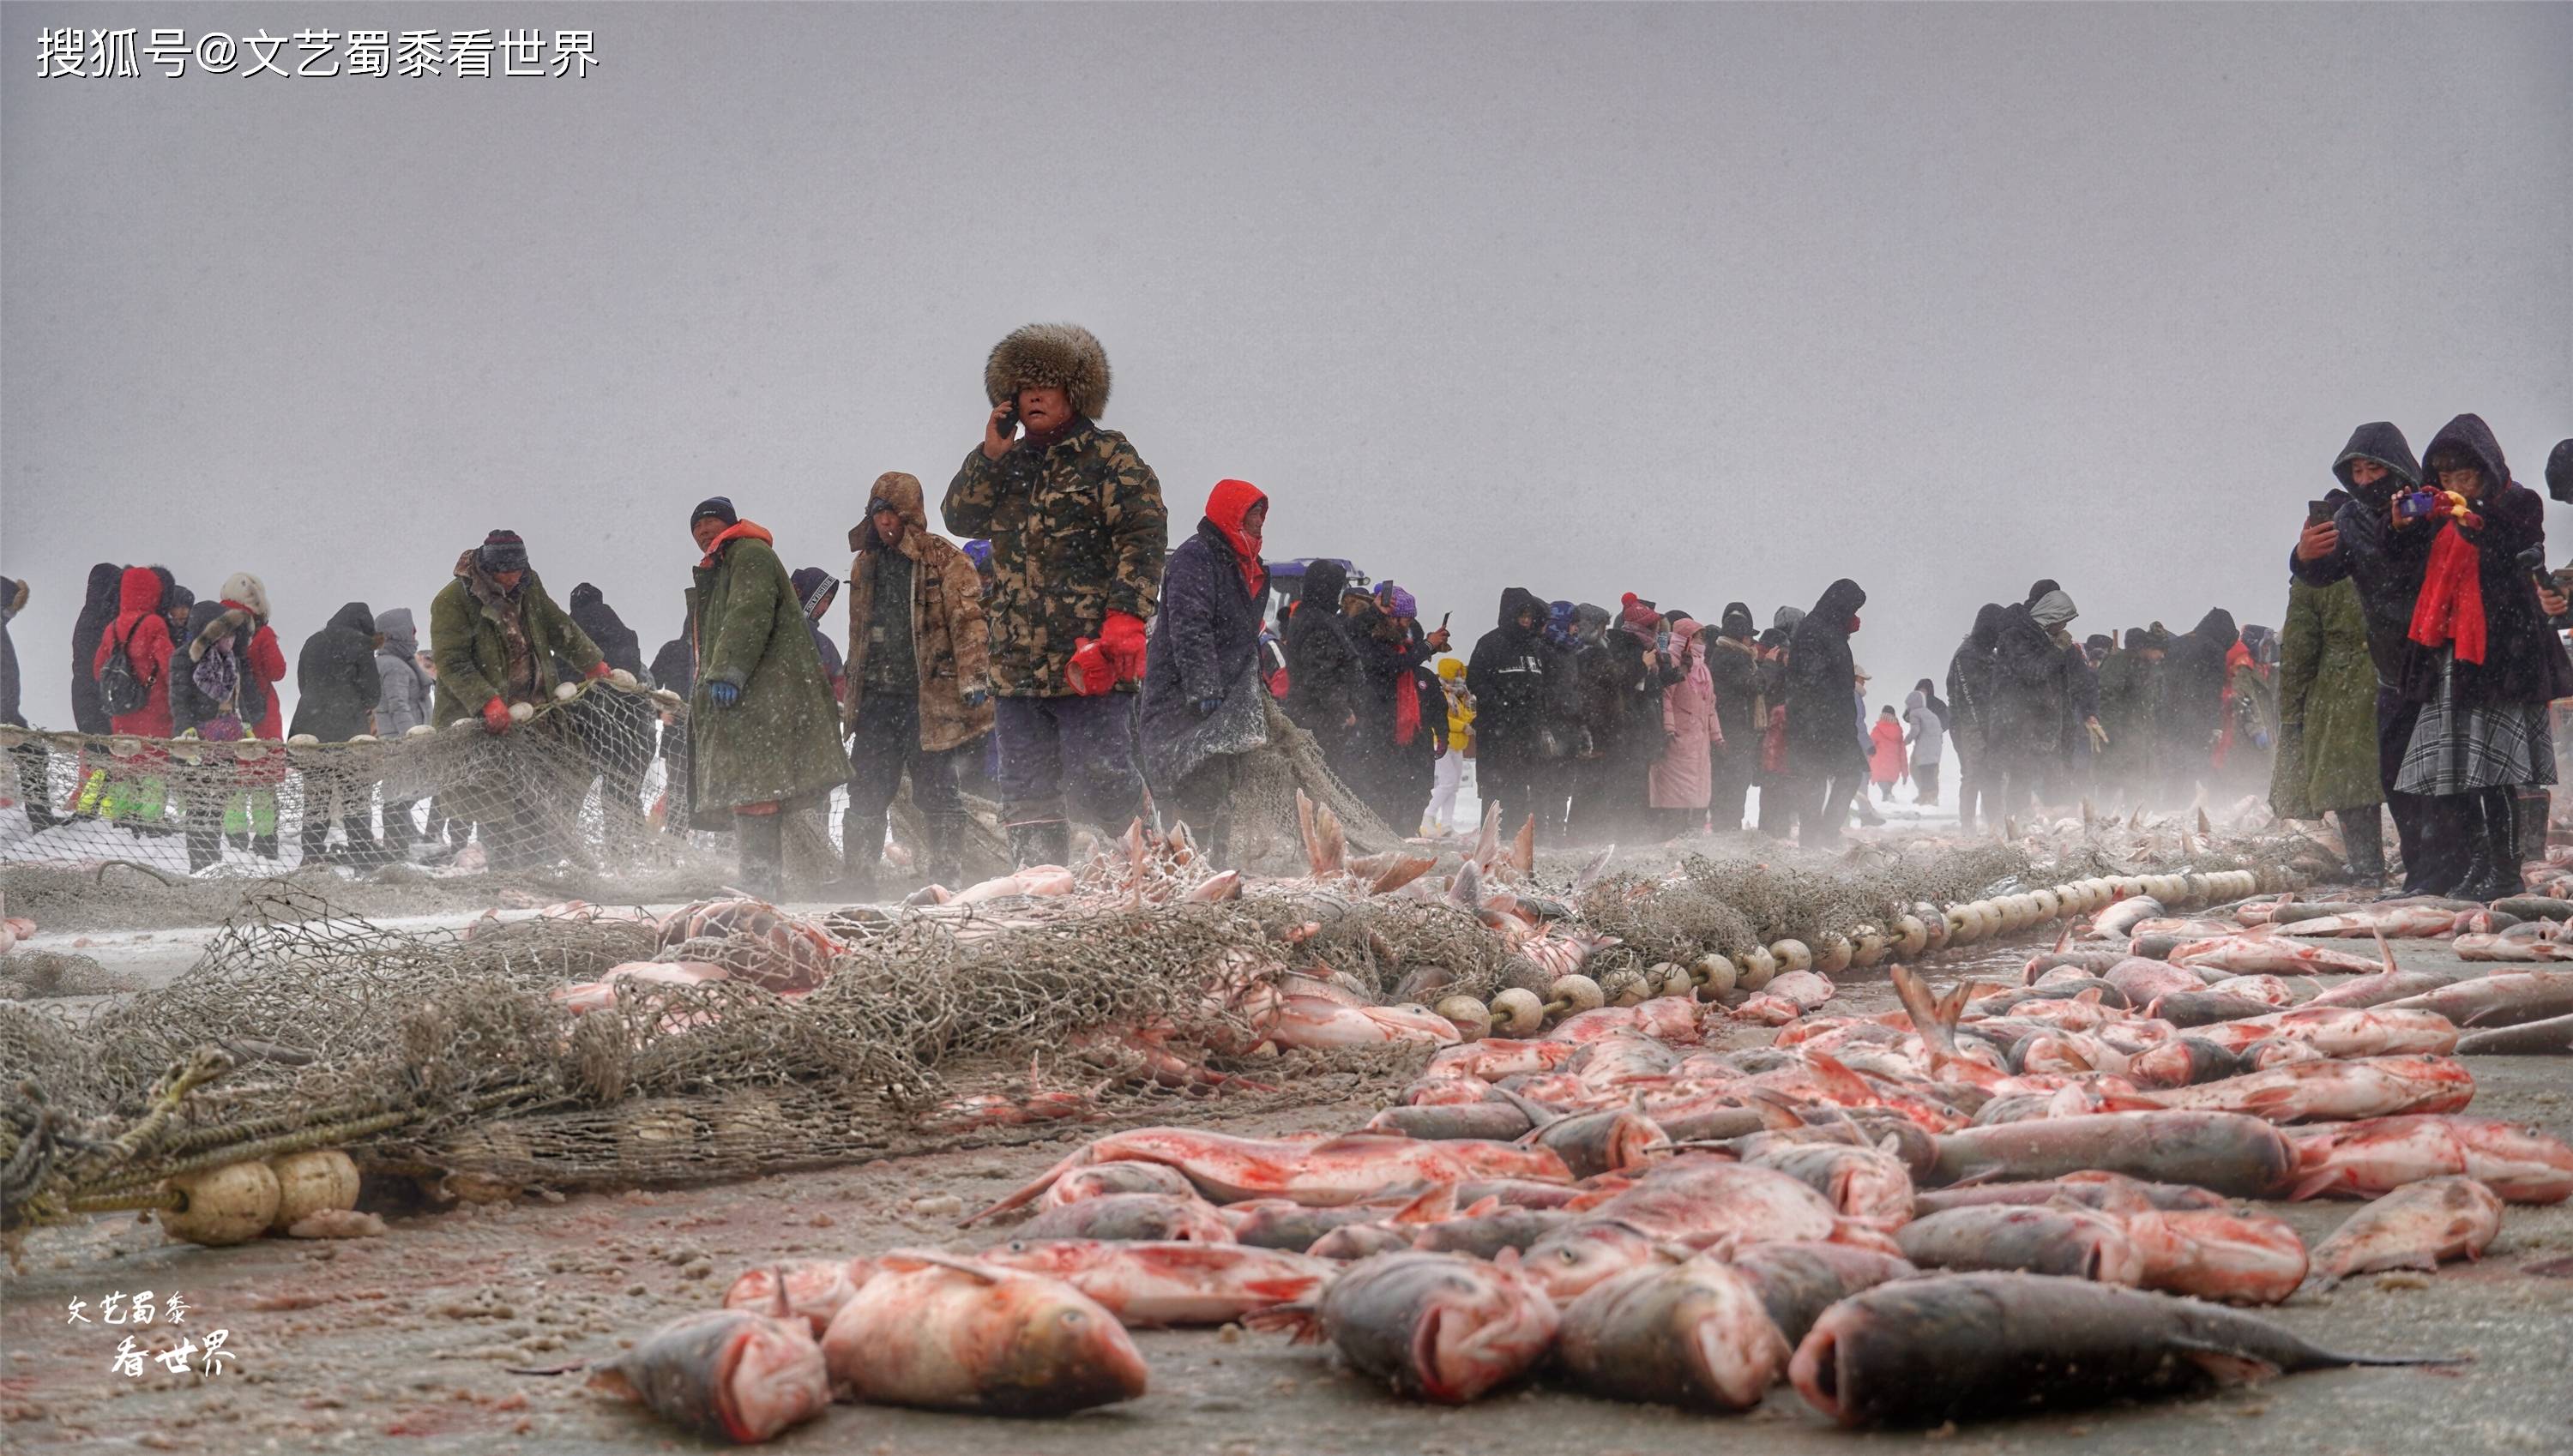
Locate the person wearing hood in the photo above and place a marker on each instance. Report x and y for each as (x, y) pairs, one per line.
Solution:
(919, 683)
(2191, 711)
(2485, 664)
(337, 685)
(1925, 719)
(2066, 770)
(1077, 533)
(1205, 704)
(1637, 663)
(1408, 730)
(402, 689)
(136, 697)
(214, 696)
(1451, 776)
(263, 662)
(1824, 759)
(2116, 674)
(1732, 660)
(1325, 690)
(1681, 781)
(1971, 691)
(1885, 756)
(2356, 535)
(99, 606)
(2326, 750)
(614, 724)
(815, 591)
(1521, 685)
(495, 637)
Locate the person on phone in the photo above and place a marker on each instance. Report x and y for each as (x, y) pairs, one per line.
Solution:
(1078, 534)
(1395, 655)
(2483, 665)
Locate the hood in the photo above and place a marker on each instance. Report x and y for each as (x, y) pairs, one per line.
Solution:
(2559, 472)
(1915, 701)
(242, 589)
(1324, 583)
(814, 589)
(2053, 609)
(1786, 618)
(740, 530)
(2038, 589)
(2382, 442)
(1736, 622)
(175, 600)
(1227, 504)
(1518, 599)
(396, 629)
(2468, 435)
(1589, 622)
(1684, 631)
(587, 594)
(1839, 603)
(105, 578)
(902, 492)
(2217, 627)
(138, 591)
(1986, 631)
(356, 617)
(1452, 668)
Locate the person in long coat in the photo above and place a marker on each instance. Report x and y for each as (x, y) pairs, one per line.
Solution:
(1970, 692)
(1521, 685)
(337, 684)
(496, 640)
(2326, 760)
(1205, 704)
(1682, 780)
(1325, 688)
(1824, 757)
(1733, 667)
(764, 733)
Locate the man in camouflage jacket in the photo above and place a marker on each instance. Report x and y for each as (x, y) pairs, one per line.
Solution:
(1077, 533)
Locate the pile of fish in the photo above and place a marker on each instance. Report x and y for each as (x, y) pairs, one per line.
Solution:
(1994, 1199)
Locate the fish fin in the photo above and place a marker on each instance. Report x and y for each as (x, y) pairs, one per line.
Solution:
(1483, 1207)
(1465, 891)
(1285, 1289)
(1078, 1157)
(607, 1379)
(1591, 872)
(2384, 949)
(2226, 1367)
(1302, 1319)
(2064, 940)
(1438, 1204)
(2204, 828)
(935, 1259)
(1539, 1116)
(1488, 841)
(1524, 848)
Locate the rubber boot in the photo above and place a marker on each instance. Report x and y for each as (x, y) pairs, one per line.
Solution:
(763, 854)
(2496, 871)
(2363, 832)
(400, 832)
(364, 850)
(945, 864)
(2536, 805)
(265, 845)
(314, 838)
(862, 840)
(205, 844)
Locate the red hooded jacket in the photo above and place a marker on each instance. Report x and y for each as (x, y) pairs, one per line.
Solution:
(140, 628)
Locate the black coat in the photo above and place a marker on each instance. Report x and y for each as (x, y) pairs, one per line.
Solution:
(97, 610)
(2524, 661)
(1737, 692)
(618, 645)
(2028, 695)
(13, 595)
(336, 677)
(1521, 685)
(2191, 706)
(1323, 685)
(2383, 560)
(1822, 686)
(1204, 645)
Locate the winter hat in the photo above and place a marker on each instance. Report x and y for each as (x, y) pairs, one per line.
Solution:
(719, 506)
(2559, 472)
(2099, 642)
(501, 551)
(244, 589)
(814, 589)
(2040, 587)
(1787, 618)
(2053, 609)
(1635, 614)
(1736, 622)
(1397, 601)
(1061, 356)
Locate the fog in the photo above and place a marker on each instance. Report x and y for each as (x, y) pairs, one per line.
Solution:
(1706, 304)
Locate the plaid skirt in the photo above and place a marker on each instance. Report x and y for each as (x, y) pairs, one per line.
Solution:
(2457, 750)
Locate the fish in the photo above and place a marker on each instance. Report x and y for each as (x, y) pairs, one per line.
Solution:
(1573, 1257)
(1674, 1019)
(942, 1334)
(2333, 1089)
(1592, 1143)
(1485, 1230)
(2220, 1254)
(1156, 1285)
(812, 1291)
(2055, 1239)
(1498, 1121)
(2341, 1031)
(2380, 1154)
(726, 1374)
(2504, 999)
(2394, 921)
(1699, 1201)
(2385, 986)
(2226, 1152)
(1951, 1348)
(2089, 1189)
(1494, 1058)
(1101, 1180)
(2193, 1010)
(1798, 1282)
(1146, 1217)
(1433, 1326)
(1353, 1241)
(2184, 1062)
(2118, 920)
(2266, 949)
(1280, 1223)
(2417, 1226)
(1348, 1168)
(2550, 1037)
(1316, 1023)
(1858, 1181)
(1806, 989)
(2140, 981)
(1695, 1335)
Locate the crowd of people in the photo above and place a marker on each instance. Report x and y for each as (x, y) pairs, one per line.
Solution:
(1071, 664)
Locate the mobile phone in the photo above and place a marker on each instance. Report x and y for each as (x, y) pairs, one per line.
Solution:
(2414, 505)
(1443, 620)
(1009, 425)
(2317, 513)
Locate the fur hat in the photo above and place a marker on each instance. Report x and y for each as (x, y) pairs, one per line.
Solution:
(245, 589)
(1061, 356)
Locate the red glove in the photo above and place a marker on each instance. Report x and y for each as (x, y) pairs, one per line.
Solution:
(1090, 672)
(1122, 636)
(597, 670)
(496, 715)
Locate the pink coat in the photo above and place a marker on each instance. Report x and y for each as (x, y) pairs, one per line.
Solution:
(1683, 777)
(1885, 765)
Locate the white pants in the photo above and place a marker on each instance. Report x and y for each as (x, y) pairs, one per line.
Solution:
(1450, 771)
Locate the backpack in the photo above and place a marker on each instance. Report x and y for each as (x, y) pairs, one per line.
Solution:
(121, 690)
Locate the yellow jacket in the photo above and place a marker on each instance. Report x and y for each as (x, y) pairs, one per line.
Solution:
(1460, 706)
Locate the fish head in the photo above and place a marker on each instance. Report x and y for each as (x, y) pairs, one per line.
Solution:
(1063, 1352)
(1479, 1329)
(1569, 1261)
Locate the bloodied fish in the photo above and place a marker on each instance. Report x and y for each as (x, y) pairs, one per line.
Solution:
(726, 1374)
(1169, 1283)
(1865, 1182)
(2380, 1154)
(1102, 1180)
(1693, 1335)
(2089, 1189)
(2386, 987)
(951, 1334)
(2055, 1239)
(1132, 1216)
(2227, 1153)
(1575, 1258)
(1344, 1170)
(1702, 1202)
(812, 1291)
(1434, 1326)
(1280, 1223)
(1494, 1058)
(2238, 1258)
(1959, 1346)
(2550, 1037)
(2342, 1031)
(2370, 1086)
(2118, 920)
(2504, 999)
(2266, 949)
(1798, 1282)
(2417, 1226)
(1592, 1143)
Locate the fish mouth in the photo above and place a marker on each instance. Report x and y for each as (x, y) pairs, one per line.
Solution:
(1814, 1372)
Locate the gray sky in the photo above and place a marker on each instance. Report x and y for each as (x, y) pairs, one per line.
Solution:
(1703, 303)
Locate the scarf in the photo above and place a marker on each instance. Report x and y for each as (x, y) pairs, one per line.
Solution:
(2451, 609)
(1227, 504)
(1406, 708)
(738, 531)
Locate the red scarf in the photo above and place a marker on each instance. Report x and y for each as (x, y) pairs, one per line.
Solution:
(2452, 608)
(1406, 708)
(1230, 501)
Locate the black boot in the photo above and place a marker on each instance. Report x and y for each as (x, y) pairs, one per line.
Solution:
(862, 840)
(205, 845)
(2496, 872)
(763, 854)
(945, 862)
(2536, 804)
(314, 839)
(265, 846)
(2362, 831)
(1045, 841)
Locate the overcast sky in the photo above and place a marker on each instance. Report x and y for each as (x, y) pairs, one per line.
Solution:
(1703, 303)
